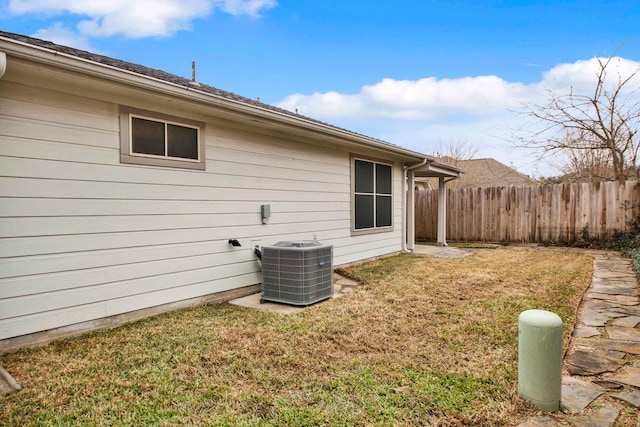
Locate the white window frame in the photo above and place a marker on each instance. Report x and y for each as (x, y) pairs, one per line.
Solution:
(374, 229)
(127, 155)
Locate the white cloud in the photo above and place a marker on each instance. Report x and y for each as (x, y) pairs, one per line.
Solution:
(144, 18)
(58, 33)
(138, 18)
(583, 75)
(427, 98)
(422, 114)
(434, 99)
(245, 7)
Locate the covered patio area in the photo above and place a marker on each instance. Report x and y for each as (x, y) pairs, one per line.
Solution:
(423, 170)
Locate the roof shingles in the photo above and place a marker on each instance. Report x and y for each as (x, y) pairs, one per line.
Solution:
(170, 78)
(485, 172)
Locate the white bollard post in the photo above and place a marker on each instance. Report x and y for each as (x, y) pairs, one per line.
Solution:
(540, 358)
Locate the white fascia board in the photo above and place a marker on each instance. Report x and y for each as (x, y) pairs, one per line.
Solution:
(84, 66)
(442, 168)
(434, 169)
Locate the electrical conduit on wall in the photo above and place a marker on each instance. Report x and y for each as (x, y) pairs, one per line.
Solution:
(3, 63)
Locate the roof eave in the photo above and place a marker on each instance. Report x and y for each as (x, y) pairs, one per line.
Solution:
(435, 169)
(81, 65)
(67, 61)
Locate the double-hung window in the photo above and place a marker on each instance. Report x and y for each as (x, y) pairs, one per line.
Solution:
(160, 140)
(372, 195)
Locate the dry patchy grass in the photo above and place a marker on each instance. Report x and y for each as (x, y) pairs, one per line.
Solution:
(424, 341)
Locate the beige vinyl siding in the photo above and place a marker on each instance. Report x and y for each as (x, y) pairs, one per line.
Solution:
(83, 236)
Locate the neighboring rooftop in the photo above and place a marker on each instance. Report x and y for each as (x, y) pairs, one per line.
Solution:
(483, 173)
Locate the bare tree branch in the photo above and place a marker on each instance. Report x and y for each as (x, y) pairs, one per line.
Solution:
(592, 130)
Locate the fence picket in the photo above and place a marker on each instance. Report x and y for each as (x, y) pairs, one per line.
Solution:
(531, 214)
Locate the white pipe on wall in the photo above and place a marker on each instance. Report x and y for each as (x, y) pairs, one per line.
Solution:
(3, 63)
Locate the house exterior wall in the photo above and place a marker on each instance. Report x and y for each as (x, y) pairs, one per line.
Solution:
(84, 237)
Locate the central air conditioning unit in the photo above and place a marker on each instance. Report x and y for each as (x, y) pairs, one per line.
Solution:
(297, 273)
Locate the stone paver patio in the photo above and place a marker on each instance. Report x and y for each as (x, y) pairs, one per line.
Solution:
(604, 346)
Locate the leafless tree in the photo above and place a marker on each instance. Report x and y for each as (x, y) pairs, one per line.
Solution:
(586, 166)
(603, 125)
(455, 151)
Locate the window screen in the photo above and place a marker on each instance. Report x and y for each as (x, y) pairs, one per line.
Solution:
(147, 137)
(163, 139)
(364, 177)
(182, 142)
(155, 139)
(383, 211)
(373, 200)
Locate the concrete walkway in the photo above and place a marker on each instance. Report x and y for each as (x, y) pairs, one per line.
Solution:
(600, 363)
(442, 251)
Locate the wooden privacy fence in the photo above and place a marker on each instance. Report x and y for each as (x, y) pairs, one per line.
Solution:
(531, 214)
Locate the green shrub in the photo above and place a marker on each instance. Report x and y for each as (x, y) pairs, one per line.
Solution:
(627, 242)
(634, 254)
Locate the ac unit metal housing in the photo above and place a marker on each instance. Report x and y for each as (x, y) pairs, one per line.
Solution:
(297, 272)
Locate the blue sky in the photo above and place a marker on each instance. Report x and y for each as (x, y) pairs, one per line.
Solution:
(420, 74)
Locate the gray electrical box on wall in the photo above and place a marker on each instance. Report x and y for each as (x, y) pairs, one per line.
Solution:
(265, 212)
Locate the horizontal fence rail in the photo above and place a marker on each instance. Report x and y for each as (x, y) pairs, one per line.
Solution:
(531, 214)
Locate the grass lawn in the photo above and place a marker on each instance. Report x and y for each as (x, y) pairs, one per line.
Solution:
(424, 341)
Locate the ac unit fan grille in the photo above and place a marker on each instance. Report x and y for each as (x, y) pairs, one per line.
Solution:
(297, 275)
